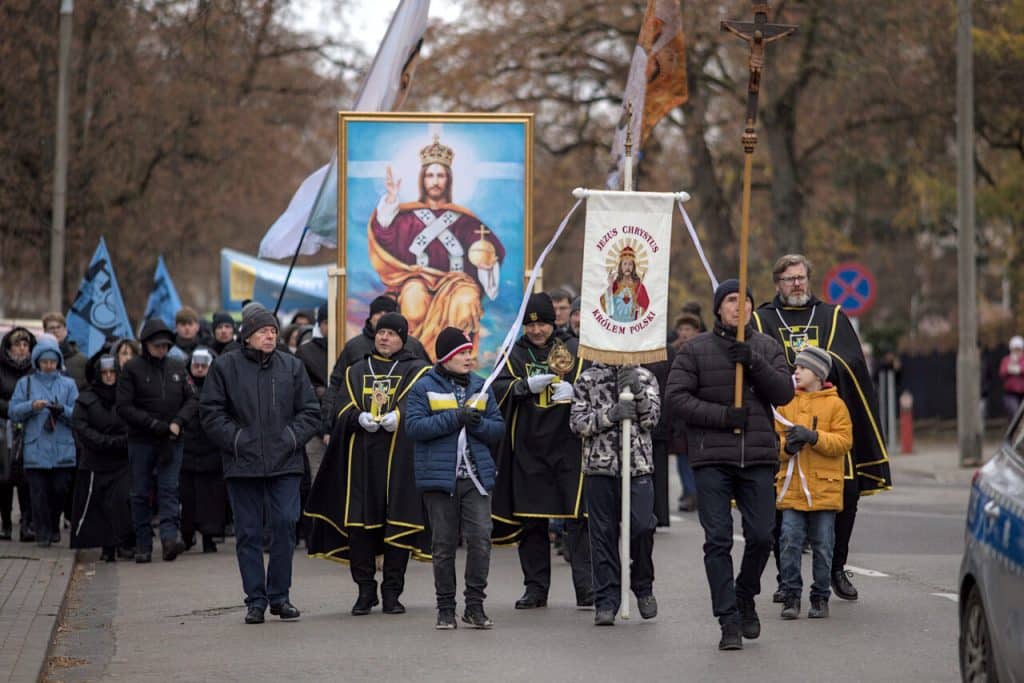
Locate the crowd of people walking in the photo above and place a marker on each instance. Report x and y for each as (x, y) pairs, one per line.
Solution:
(207, 429)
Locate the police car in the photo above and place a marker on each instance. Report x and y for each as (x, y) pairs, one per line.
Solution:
(992, 570)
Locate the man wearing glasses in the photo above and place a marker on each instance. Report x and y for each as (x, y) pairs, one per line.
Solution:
(74, 360)
(798, 319)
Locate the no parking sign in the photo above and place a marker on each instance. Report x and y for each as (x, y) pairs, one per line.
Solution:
(851, 286)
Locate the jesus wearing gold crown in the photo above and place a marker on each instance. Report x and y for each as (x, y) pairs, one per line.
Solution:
(626, 298)
(436, 256)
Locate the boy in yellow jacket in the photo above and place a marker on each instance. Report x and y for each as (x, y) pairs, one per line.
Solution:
(816, 436)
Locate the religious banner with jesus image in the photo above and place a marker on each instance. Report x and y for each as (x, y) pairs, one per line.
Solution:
(624, 303)
(435, 212)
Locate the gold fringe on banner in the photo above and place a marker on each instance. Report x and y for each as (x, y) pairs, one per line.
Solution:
(621, 357)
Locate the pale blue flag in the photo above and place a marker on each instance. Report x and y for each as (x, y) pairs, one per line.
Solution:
(164, 302)
(98, 312)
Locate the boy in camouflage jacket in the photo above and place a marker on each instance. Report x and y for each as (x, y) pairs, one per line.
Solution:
(596, 416)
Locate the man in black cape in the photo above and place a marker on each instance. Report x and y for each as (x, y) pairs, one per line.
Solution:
(364, 500)
(540, 461)
(797, 318)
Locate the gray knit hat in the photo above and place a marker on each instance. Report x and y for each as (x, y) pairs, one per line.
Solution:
(254, 317)
(816, 360)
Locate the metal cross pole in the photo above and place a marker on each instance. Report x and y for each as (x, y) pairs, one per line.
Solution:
(757, 33)
(626, 465)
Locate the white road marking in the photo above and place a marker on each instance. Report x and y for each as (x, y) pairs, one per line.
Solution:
(949, 596)
(865, 572)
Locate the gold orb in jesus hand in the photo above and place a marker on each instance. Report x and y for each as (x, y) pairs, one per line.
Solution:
(482, 253)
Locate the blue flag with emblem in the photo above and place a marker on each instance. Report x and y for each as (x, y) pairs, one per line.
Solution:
(164, 302)
(98, 312)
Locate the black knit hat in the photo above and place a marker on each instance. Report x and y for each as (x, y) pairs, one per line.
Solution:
(322, 315)
(396, 323)
(726, 288)
(539, 309)
(383, 304)
(451, 341)
(222, 318)
(255, 317)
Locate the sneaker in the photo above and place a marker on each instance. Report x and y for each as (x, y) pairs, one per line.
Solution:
(791, 607)
(731, 639)
(779, 597)
(446, 619)
(604, 617)
(749, 622)
(475, 617)
(819, 609)
(648, 606)
(841, 585)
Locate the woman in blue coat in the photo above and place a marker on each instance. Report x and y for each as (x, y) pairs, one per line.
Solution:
(43, 403)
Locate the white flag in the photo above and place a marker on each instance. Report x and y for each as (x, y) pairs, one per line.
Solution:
(624, 300)
(384, 89)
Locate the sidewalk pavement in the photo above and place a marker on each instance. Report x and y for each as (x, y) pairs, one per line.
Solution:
(33, 582)
(937, 460)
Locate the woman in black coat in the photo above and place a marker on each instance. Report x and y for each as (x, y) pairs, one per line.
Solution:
(101, 512)
(203, 492)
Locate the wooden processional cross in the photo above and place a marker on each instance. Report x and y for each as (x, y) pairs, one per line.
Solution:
(757, 33)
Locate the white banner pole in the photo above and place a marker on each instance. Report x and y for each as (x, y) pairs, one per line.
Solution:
(625, 470)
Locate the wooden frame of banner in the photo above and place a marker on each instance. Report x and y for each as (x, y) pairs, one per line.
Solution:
(345, 117)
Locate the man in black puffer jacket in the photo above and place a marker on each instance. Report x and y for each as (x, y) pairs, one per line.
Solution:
(258, 407)
(155, 399)
(734, 451)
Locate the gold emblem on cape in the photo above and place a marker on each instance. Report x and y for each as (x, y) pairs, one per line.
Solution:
(379, 399)
(561, 362)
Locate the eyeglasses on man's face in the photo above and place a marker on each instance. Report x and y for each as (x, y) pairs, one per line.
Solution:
(793, 279)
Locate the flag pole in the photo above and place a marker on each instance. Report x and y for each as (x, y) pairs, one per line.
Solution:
(625, 467)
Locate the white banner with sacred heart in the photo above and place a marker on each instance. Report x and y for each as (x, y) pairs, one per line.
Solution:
(624, 304)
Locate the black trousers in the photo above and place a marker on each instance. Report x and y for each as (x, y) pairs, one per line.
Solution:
(753, 489)
(363, 548)
(844, 524)
(49, 488)
(661, 506)
(604, 505)
(535, 556)
(7, 503)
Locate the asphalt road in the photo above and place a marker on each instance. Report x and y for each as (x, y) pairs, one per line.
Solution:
(183, 620)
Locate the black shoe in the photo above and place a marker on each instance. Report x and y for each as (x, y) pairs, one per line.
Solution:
(791, 607)
(749, 622)
(25, 534)
(531, 601)
(778, 597)
(109, 555)
(731, 639)
(43, 544)
(604, 617)
(841, 585)
(446, 620)
(172, 549)
(475, 617)
(6, 533)
(143, 558)
(254, 615)
(585, 602)
(285, 610)
(819, 609)
(392, 605)
(364, 603)
(126, 553)
(648, 606)
(209, 546)
(687, 503)
(55, 537)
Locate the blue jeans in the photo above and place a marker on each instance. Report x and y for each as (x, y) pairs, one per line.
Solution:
(276, 501)
(144, 458)
(686, 478)
(820, 527)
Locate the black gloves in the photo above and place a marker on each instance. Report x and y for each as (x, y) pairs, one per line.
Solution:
(800, 435)
(792, 447)
(739, 352)
(159, 427)
(736, 418)
(469, 416)
(56, 410)
(629, 377)
(623, 410)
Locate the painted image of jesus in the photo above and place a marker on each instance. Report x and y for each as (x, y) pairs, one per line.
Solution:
(436, 257)
(626, 298)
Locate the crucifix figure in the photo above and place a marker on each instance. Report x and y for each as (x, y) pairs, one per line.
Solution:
(757, 33)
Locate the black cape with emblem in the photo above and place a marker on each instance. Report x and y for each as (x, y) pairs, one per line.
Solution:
(366, 480)
(540, 460)
(826, 326)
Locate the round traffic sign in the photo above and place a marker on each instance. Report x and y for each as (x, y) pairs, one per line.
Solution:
(851, 286)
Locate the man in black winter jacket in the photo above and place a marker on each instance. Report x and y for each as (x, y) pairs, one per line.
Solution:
(734, 451)
(155, 399)
(259, 409)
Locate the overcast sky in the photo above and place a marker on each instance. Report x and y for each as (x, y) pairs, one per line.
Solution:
(365, 20)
